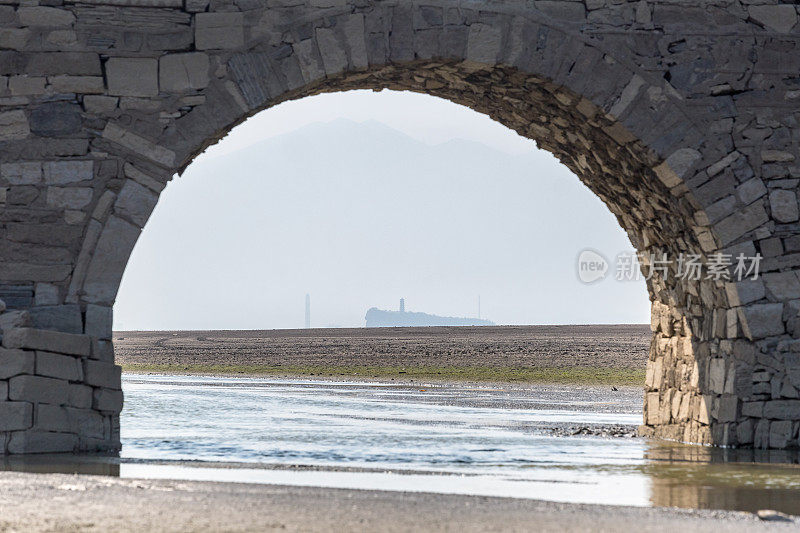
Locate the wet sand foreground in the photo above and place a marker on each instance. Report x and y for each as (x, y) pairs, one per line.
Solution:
(58, 502)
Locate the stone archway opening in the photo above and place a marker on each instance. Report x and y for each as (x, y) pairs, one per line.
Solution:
(690, 141)
(619, 169)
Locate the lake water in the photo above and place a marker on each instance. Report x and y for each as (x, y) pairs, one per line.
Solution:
(454, 439)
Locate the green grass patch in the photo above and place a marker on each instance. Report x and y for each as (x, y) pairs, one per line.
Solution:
(564, 375)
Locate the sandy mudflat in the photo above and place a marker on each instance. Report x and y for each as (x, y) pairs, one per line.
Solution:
(603, 354)
(58, 502)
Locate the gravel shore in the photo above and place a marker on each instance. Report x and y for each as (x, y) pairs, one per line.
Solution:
(599, 354)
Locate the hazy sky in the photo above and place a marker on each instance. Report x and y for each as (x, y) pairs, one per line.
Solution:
(362, 198)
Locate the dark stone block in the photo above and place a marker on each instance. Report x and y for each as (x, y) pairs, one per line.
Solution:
(56, 119)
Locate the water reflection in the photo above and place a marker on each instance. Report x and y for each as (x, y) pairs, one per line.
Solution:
(62, 463)
(708, 478)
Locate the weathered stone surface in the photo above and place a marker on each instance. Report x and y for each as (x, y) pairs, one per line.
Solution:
(26, 85)
(69, 197)
(780, 18)
(139, 145)
(56, 119)
(68, 172)
(78, 84)
(180, 73)
(109, 259)
(45, 16)
(58, 366)
(15, 362)
(51, 418)
(784, 205)
(15, 319)
(64, 318)
(100, 105)
(782, 410)
(80, 396)
(41, 442)
(100, 374)
(132, 76)
(762, 320)
(672, 171)
(38, 389)
(87, 422)
(107, 400)
(99, 322)
(13, 125)
(15, 416)
(50, 341)
(135, 203)
(22, 173)
(219, 31)
(779, 434)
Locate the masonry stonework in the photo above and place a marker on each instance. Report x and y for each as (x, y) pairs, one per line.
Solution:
(681, 116)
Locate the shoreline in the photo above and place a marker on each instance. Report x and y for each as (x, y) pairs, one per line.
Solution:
(100, 503)
(591, 377)
(600, 355)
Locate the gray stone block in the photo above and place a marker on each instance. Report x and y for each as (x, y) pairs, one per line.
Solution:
(14, 125)
(103, 350)
(55, 119)
(38, 389)
(107, 400)
(15, 362)
(64, 318)
(135, 203)
(15, 416)
(779, 434)
(68, 172)
(109, 260)
(783, 205)
(99, 322)
(49, 17)
(179, 73)
(41, 442)
(139, 145)
(58, 366)
(22, 173)
(87, 423)
(762, 320)
(222, 31)
(780, 18)
(101, 374)
(132, 76)
(51, 418)
(782, 410)
(14, 319)
(100, 105)
(90, 85)
(48, 341)
(80, 396)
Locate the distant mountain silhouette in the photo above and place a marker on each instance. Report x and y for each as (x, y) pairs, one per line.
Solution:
(378, 318)
(357, 212)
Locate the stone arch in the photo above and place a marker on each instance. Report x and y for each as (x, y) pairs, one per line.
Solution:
(618, 105)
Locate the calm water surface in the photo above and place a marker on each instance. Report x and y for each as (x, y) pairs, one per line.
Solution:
(461, 440)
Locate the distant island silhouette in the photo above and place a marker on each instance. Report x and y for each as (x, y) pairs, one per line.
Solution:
(380, 318)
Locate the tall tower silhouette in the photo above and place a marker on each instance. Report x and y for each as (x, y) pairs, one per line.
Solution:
(308, 311)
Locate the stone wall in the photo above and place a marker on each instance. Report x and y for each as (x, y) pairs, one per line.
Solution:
(59, 392)
(683, 117)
